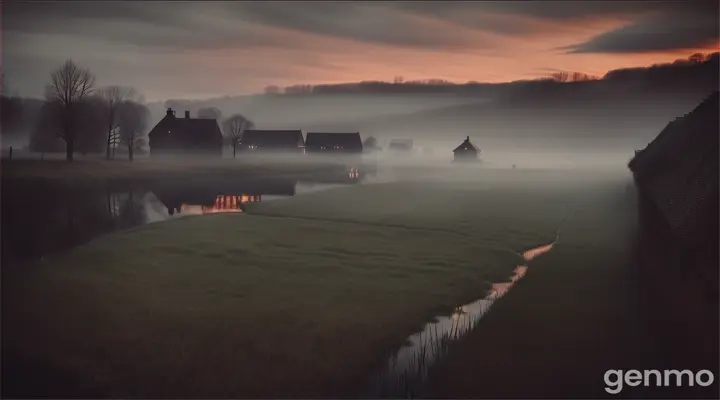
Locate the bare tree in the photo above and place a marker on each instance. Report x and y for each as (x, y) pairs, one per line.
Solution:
(697, 58)
(88, 120)
(133, 122)
(370, 144)
(47, 133)
(272, 89)
(561, 76)
(112, 97)
(234, 128)
(69, 85)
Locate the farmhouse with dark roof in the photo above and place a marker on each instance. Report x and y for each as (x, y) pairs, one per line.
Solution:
(466, 151)
(174, 135)
(331, 142)
(272, 141)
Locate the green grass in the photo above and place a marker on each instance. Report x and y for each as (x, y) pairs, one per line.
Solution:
(305, 300)
(573, 316)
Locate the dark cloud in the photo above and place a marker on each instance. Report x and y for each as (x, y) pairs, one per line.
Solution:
(215, 25)
(187, 26)
(195, 25)
(549, 10)
(372, 22)
(680, 26)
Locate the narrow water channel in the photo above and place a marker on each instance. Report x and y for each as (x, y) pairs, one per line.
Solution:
(406, 371)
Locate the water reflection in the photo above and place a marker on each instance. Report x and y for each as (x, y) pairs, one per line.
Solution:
(406, 371)
(40, 219)
(230, 196)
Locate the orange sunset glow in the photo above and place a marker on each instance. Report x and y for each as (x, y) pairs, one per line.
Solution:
(198, 49)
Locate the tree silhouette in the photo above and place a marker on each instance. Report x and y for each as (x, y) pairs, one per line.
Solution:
(112, 97)
(133, 122)
(234, 128)
(69, 85)
(370, 144)
(47, 133)
(272, 89)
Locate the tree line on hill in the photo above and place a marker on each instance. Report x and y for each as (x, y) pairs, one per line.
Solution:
(676, 69)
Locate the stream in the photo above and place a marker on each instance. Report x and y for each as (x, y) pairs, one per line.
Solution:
(406, 371)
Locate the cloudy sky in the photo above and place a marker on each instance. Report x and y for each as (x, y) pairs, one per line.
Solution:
(205, 49)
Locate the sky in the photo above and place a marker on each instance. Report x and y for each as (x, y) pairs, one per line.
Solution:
(205, 49)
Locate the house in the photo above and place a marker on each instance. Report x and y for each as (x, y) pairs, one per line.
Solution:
(326, 142)
(174, 135)
(401, 145)
(466, 151)
(272, 141)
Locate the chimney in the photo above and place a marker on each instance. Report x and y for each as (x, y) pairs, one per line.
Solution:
(170, 112)
(468, 138)
(187, 114)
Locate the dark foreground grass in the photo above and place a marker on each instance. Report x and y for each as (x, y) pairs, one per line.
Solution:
(574, 316)
(303, 303)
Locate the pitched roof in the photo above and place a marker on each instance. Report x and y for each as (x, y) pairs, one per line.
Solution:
(198, 130)
(273, 138)
(466, 145)
(189, 131)
(332, 139)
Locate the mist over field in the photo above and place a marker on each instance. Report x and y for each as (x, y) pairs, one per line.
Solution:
(413, 199)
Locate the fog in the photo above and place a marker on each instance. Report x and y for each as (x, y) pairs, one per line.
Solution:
(527, 136)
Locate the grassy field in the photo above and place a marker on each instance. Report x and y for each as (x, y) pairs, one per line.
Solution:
(305, 298)
(574, 316)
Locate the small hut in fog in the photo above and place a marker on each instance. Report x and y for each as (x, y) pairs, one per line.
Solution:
(466, 151)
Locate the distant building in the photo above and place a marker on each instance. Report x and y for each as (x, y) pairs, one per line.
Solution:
(272, 141)
(401, 145)
(466, 151)
(174, 135)
(336, 143)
